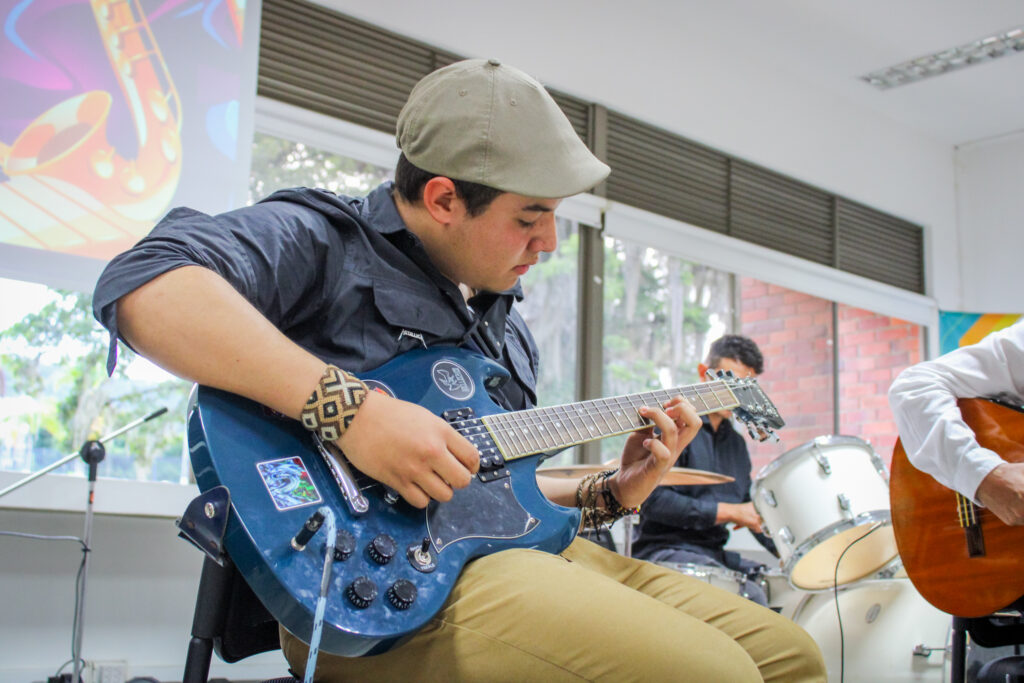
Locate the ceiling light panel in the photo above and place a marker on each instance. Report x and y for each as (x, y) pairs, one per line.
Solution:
(976, 52)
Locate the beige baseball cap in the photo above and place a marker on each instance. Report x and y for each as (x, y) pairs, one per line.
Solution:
(485, 122)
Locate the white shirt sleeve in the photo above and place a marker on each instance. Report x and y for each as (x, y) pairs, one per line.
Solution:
(923, 400)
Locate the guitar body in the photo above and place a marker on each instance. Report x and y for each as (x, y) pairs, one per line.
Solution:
(930, 539)
(277, 478)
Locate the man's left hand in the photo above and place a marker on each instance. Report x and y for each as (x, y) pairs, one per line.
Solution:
(646, 459)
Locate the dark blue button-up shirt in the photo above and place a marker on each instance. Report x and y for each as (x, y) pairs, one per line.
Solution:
(341, 276)
(686, 514)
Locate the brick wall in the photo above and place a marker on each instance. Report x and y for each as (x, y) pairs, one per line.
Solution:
(794, 331)
(873, 349)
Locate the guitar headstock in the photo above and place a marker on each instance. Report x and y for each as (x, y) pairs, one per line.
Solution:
(755, 409)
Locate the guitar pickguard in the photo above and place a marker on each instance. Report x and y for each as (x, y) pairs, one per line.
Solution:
(481, 510)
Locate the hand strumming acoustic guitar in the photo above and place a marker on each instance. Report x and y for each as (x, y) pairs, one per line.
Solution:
(960, 557)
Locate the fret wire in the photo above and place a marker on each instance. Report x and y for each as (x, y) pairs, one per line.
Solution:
(543, 426)
(710, 398)
(567, 418)
(543, 421)
(509, 432)
(524, 432)
(595, 413)
(635, 401)
(497, 428)
(640, 420)
(702, 400)
(572, 418)
(529, 432)
(618, 413)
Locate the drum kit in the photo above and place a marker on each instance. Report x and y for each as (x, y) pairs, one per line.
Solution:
(825, 504)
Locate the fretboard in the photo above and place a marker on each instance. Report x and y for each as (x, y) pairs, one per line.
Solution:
(541, 430)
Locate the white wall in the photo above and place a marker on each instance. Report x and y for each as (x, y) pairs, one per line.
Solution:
(990, 216)
(141, 586)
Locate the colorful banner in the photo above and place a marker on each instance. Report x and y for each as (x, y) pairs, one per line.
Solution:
(963, 329)
(112, 111)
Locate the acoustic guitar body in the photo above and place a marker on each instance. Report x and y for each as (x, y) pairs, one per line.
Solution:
(932, 543)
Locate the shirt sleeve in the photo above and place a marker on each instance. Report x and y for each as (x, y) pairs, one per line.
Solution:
(932, 430)
(669, 506)
(270, 253)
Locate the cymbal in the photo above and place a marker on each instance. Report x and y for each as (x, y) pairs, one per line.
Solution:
(677, 476)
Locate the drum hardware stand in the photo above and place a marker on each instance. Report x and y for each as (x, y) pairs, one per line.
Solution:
(627, 534)
(92, 452)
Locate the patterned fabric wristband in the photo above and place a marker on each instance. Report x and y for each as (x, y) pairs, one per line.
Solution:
(332, 405)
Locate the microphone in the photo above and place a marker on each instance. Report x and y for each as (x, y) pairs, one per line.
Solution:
(308, 530)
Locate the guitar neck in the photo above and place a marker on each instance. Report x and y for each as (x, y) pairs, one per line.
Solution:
(541, 430)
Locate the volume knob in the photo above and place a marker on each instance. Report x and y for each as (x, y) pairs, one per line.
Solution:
(344, 545)
(383, 548)
(361, 592)
(402, 594)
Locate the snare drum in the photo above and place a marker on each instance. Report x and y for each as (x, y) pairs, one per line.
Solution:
(721, 577)
(819, 498)
(890, 633)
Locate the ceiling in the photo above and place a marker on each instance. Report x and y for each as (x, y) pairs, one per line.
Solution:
(786, 47)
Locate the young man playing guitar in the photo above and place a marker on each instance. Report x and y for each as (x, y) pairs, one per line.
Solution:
(288, 301)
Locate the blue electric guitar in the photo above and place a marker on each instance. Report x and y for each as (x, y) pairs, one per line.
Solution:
(394, 565)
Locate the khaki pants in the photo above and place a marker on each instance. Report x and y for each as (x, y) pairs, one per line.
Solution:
(587, 614)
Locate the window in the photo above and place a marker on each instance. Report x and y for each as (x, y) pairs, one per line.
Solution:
(278, 163)
(660, 315)
(54, 390)
(55, 393)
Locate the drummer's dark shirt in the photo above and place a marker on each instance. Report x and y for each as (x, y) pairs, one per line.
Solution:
(675, 515)
(341, 276)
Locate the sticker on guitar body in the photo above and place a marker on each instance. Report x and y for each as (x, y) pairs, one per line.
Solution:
(288, 482)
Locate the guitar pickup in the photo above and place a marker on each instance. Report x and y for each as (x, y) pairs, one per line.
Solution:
(492, 465)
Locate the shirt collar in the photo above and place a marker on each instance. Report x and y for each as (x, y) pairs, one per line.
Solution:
(379, 210)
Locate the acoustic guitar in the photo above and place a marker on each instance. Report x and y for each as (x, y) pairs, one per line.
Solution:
(395, 564)
(960, 557)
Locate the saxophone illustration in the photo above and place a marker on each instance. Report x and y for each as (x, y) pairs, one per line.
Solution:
(68, 189)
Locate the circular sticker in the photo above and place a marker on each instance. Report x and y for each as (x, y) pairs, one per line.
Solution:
(452, 379)
(374, 385)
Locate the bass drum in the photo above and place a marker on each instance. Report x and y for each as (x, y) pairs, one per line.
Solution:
(782, 597)
(889, 633)
(816, 500)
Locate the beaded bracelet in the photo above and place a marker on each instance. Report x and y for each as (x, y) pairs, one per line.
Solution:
(332, 405)
(587, 492)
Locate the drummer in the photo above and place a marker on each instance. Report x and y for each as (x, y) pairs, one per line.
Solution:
(690, 524)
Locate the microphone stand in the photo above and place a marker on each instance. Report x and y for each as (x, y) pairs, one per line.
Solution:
(92, 452)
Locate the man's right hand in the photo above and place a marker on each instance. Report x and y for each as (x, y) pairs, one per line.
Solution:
(741, 515)
(1002, 492)
(410, 449)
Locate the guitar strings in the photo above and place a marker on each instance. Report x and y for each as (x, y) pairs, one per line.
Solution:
(528, 432)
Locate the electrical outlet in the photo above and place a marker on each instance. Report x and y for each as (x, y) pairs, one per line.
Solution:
(106, 672)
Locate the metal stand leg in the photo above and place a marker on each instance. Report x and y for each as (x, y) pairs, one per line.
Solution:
(959, 663)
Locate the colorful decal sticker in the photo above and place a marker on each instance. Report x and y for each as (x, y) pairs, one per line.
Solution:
(374, 385)
(288, 483)
(453, 379)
